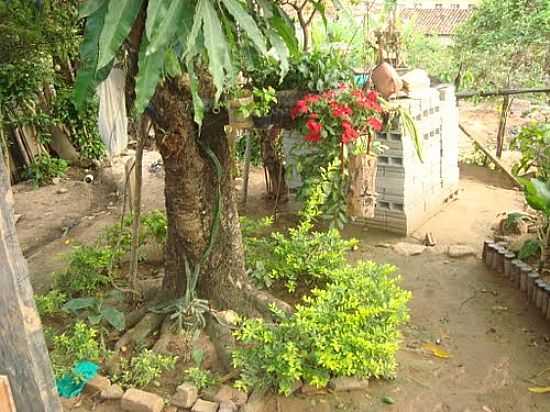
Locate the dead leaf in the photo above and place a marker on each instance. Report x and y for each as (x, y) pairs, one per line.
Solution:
(436, 350)
(539, 389)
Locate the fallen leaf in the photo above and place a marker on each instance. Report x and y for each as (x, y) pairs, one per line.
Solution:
(388, 399)
(539, 389)
(499, 308)
(436, 350)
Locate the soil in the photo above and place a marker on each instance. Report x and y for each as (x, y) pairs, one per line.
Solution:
(498, 345)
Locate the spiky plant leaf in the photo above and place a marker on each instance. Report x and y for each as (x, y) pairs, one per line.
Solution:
(119, 19)
(86, 79)
(247, 23)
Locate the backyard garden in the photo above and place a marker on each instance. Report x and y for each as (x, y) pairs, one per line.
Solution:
(317, 208)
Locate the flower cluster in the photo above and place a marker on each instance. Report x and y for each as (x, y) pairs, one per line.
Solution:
(338, 116)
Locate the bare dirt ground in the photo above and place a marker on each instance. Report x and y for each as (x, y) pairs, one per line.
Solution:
(496, 342)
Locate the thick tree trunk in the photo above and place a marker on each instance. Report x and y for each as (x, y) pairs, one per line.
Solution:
(23, 354)
(191, 190)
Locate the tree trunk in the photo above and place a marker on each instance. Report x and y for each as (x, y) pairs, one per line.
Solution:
(23, 354)
(191, 195)
(505, 110)
(545, 255)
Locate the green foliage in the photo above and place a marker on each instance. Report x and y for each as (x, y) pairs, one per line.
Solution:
(44, 168)
(50, 303)
(155, 226)
(201, 378)
(264, 99)
(534, 144)
(88, 270)
(505, 43)
(537, 194)
(530, 248)
(97, 311)
(255, 149)
(145, 368)
(79, 343)
(348, 329)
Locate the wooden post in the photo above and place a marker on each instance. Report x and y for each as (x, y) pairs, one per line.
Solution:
(23, 353)
(506, 103)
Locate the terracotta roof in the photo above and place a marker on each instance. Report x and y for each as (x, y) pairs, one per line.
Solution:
(436, 21)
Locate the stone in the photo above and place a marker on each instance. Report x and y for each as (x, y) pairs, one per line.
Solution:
(308, 389)
(409, 249)
(347, 383)
(227, 393)
(257, 402)
(113, 392)
(204, 406)
(228, 316)
(135, 400)
(186, 395)
(56, 180)
(62, 190)
(205, 345)
(170, 408)
(97, 384)
(228, 406)
(459, 251)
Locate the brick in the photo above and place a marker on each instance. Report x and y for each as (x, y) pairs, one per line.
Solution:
(186, 395)
(97, 384)
(204, 406)
(345, 383)
(227, 393)
(113, 392)
(228, 406)
(135, 400)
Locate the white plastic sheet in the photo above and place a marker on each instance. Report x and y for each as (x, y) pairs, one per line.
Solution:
(112, 120)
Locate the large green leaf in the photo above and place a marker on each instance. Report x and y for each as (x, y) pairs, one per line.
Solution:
(119, 19)
(284, 27)
(281, 49)
(537, 194)
(198, 105)
(114, 317)
(89, 7)
(149, 74)
(247, 23)
(164, 33)
(74, 305)
(156, 13)
(216, 45)
(86, 80)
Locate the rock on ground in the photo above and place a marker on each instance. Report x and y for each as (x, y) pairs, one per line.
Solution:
(113, 392)
(204, 406)
(186, 395)
(135, 400)
(97, 384)
(227, 393)
(458, 251)
(345, 383)
(409, 249)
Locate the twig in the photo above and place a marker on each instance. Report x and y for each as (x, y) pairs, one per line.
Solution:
(466, 301)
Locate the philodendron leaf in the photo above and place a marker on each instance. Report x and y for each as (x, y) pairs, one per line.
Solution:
(114, 317)
(537, 194)
(119, 20)
(74, 305)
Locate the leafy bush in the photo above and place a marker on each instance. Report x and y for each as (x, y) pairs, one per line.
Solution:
(44, 168)
(50, 303)
(348, 329)
(145, 368)
(80, 343)
(300, 254)
(531, 248)
(155, 226)
(534, 144)
(201, 378)
(88, 270)
(97, 311)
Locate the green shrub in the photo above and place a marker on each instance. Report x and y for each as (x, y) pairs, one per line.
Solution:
(44, 168)
(155, 226)
(80, 343)
(145, 368)
(88, 270)
(348, 329)
(301, 254)
(201, 378)
(50, 303)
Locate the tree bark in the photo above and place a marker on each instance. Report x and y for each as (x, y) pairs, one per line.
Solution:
(191, 190)
(505, 110)
(23, 354)
(276, 185)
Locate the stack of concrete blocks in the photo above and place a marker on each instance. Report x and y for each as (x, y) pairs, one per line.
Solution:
(410, 191)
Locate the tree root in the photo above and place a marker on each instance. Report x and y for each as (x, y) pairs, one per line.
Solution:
(262, 301)
(147, 325)
(165, 335)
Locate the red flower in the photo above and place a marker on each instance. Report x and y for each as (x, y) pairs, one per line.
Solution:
(349, 134)
(372, 95)
(340, 111)
(314, 128)
(299, 109)
(342, 86)
(312, 98)
(375, 124)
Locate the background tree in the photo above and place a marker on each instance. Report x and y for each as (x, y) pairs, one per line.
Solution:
(179, 58)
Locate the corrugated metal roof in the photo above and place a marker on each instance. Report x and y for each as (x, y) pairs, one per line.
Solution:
(442, 22)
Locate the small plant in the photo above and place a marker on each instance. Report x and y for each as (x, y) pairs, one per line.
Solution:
(350, 328)
(155, 226)
(530, 248)
(537, 194)
(44, 168)
(50, 303)
(534, 144)
(80, 343)
(97, 312)
(88, 270)
(145, 368)
(201, 378)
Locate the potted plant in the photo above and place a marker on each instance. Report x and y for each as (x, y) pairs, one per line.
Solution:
(264, 99)
(238, 108)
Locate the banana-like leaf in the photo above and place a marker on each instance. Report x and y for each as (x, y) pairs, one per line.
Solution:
(86, 79)
(284, 27)
(74, 305)
(164, 33)
(198, 105)
(114, 317)
(216, 45)
(156, 13)
(537, 194)
(119, 19)
(281, 49)
(150, 69)
(89, 7)
(247, 23)
(171, 63)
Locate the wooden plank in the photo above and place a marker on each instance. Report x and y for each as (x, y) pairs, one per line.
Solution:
(503, 92)
(488, 153)
(23, 353)
(7, 404)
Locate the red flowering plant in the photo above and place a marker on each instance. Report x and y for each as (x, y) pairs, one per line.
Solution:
(334, 124)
